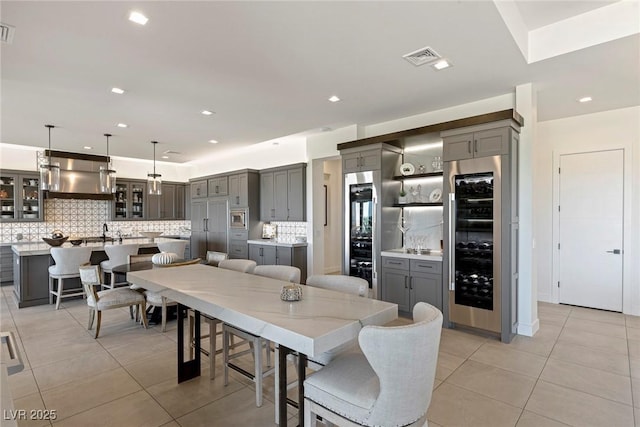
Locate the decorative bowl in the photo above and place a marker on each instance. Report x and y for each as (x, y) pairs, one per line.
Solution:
(76, 242)
(55, 242)
(291, 292)
(164, 258)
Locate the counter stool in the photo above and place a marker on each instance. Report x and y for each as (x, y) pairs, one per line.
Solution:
(177, 247)
(118, 255)
(67, 266)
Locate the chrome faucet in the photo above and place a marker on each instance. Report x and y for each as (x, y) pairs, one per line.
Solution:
(104, 232)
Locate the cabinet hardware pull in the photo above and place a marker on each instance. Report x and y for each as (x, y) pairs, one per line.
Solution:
(475, 145)
(405, 281)
(425, 266)
(411, 283)
(469, 147)
(237, 200)
(394, 262)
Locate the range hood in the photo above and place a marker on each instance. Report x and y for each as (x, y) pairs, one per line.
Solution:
(79, 176)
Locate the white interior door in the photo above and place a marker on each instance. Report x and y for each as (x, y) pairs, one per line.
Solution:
(590, 229)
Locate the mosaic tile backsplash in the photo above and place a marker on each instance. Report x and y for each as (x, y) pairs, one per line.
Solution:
(287, 231)
(83, 218)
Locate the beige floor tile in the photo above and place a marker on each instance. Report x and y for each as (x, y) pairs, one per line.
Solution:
(577, 408)
(505, 357)
(634, 365)
(537, 344)
(40, 354)
(589, 380)
(33, 415)
(599, 359)
(244, 412)
(143, 348)
(632, 321)
(455, 406)
(505, 386)
(78, 396)
(633, 334)
(529, 419)
(459, 343)
(596, 341)
(136, 410)
(75, 368)
(171, 424)
(597, 327)
(447, 363)
(22, 384)
(180, 399)
(553, 318)
(547, 307)
(157, 368)
(634, 349)
(598, 315)
(635, 388)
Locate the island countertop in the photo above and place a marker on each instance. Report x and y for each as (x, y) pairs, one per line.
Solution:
(268, 242)
(42, 248)
(401, 253)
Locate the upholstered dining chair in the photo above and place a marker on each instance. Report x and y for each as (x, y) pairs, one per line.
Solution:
(118, 255)
(389, 383)
(156, 299)
(177, 247)
(241, 265)
(213, 257)
(280, 272)
(107, 299)
(67, 264)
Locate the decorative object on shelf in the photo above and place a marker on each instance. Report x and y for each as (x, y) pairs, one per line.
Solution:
(435, 196)
(55, 242)
(416, 196)
(164, 258)
(49, 171)
(407, 169)
(402, 197)
(4, 194)
(291, 292)
(76, 242)
(436, 164)
(422, 169)
(107, 175)
(154, 180)
(150, 234)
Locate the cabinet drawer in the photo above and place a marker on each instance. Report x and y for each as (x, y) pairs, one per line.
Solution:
(400, 263)
(434, 267)
(238, 234)
(238, 249)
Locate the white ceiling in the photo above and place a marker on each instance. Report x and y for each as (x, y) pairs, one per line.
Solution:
(267, 69)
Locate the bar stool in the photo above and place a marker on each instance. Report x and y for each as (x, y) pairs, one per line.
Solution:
(67, 266)
(118, 255)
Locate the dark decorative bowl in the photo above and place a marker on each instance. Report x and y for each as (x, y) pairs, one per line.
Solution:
(76, 242)
(55, 242)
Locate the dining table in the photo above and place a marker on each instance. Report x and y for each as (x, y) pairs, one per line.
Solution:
(320, 321)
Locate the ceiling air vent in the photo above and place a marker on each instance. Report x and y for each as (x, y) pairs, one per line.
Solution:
(426, 55)
(7, 33)
(171, 152)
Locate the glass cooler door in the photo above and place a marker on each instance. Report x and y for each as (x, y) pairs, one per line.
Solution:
(361, 223)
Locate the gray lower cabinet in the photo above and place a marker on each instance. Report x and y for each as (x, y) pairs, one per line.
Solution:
(30, 279)
(408, 281)
(280, 255)
(238, 246)
(6, 265)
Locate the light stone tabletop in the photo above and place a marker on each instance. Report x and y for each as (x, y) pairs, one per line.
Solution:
(321, 321)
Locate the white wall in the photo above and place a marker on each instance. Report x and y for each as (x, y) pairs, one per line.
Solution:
(333, 229)
(610, 129)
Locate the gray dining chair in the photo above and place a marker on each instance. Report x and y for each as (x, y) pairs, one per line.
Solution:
(241, 265)
(388, 383)
(107, 299)
(214, 257)
(280, 272)
(118, 255)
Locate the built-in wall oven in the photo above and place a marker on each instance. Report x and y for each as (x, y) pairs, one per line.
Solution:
(238, 218)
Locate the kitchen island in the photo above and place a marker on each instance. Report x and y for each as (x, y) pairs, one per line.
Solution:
(31, 263)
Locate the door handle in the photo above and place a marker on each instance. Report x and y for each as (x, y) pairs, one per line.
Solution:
(615, 252)
(452, 268)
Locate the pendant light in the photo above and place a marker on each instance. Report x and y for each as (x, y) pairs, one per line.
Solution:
(49, 171)
(154, 180)
(107, 175)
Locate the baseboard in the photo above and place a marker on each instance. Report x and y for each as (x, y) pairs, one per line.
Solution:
(528, 330)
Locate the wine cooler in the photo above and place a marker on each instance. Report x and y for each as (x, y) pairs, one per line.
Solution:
(479, 265)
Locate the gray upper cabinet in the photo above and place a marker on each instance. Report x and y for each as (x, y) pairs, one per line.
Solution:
(359, 161)
(239, 190)
(169, 205)
(181, 202)
(483, 143)
(20, 196)
(199, 189)
(218, 186)
(282, 194)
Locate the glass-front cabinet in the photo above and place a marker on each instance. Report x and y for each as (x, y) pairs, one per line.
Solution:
(129, 200)
(20, 196)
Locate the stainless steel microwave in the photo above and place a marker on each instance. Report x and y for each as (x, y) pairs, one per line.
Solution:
(238, 218)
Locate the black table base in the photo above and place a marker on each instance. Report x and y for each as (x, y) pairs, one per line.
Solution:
(188, 369)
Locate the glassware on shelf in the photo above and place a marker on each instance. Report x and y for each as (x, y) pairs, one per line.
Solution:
(436, 164)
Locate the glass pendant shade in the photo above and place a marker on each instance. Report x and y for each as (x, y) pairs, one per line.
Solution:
(154, 180)
(49, 171)
(107, 175)
(50, 176)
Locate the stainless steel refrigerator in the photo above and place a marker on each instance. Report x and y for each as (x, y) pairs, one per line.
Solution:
(480, 245)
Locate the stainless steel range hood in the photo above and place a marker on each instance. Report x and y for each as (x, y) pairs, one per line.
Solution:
(79, 176)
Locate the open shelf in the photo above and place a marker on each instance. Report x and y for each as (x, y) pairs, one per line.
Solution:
(417, 175)
(410, 205)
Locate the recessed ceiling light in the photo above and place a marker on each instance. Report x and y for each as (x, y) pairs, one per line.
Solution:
(441, 65)
(213, 141)
(122, 125)
(86, 147)
(117, 90)
(138, 18)
(165, 157)
(585, 99)
(334, 99)
(207, 112)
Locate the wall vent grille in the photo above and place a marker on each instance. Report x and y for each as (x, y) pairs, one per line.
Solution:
(426, 55)
(7, 32)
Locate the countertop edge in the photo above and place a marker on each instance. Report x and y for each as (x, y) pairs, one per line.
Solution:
(393, 254)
